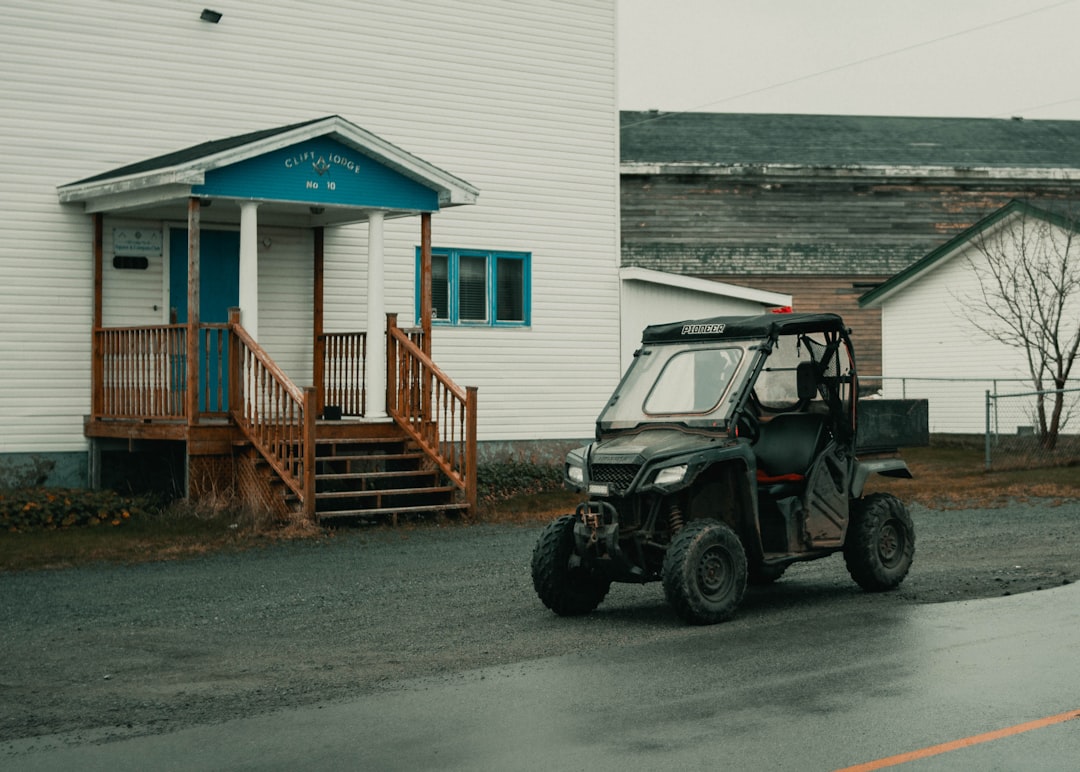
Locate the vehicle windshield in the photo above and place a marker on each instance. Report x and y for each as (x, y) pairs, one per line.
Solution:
(692, 384)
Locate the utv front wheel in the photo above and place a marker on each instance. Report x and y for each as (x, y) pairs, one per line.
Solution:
(880, 542)
(568, 591)
(705, 572)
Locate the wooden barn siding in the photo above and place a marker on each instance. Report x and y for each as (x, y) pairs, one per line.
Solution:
(824, 242)
(515, 97)
(832, 294)
(678, 222)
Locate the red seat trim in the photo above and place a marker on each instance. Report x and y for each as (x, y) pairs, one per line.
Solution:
(764, 477)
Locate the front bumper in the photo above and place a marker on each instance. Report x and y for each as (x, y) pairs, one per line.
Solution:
(596, 543)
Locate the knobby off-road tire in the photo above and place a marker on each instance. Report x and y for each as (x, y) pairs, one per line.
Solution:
(704, 572)
(880, 543)
(566, 591)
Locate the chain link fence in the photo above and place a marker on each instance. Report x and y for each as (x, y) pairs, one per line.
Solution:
(995, 412)
(957, 405)
(1016, 438)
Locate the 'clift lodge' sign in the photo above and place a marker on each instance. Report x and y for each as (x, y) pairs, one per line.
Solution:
(319, 171)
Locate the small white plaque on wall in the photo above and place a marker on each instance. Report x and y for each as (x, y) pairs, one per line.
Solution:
(141, 242)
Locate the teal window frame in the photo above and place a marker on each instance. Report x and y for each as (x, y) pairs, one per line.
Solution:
(455, 257)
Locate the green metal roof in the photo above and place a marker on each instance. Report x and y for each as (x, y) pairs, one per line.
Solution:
(845, 141)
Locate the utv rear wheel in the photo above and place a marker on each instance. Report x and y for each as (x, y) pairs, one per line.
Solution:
(568, 591)
(705, 572)
(880, 543)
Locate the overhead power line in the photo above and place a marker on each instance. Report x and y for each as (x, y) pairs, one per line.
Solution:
(858, 62)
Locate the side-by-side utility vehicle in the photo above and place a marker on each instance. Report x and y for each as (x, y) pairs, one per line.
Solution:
(726, 453)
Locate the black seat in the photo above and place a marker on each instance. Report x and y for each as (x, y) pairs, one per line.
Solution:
(786, 447)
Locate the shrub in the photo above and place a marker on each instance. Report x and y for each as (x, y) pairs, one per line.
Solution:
(506, 479)
(27, 509)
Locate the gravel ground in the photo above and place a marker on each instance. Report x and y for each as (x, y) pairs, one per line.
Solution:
(106, 651)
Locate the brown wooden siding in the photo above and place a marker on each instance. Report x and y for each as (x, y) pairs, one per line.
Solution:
(832, 294)
(823, 241)
(698, 224)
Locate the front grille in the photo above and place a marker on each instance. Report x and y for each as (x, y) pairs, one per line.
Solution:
(617, 476)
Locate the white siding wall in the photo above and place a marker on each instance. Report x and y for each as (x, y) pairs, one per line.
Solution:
(134, 297)
(926, 333)
(516, 97)
(286, 287)
(646, 303)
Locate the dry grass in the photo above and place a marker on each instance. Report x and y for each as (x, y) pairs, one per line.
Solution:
(956, 478)
(945, 478)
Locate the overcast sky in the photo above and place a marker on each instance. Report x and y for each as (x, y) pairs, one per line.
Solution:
(968, 58)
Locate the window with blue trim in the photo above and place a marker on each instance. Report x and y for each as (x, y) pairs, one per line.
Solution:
(473, 287)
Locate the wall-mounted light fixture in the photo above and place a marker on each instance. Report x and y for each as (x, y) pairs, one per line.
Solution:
(317, 210)
(211, 16)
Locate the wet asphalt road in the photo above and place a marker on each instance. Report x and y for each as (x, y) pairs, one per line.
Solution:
(427, 649)
(851, 687)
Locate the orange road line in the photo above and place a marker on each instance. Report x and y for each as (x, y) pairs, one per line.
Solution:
(965, 742)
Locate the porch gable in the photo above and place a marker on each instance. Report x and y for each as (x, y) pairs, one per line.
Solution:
(267, 165)
(322, 172)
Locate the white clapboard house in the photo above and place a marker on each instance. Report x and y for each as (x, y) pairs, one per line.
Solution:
(322, 254)
(931, 314)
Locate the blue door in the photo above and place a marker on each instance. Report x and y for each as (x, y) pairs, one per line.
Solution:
(219, 290)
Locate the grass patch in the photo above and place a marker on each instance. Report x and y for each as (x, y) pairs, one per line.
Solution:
(157, 538)
(956, 478)
(116, 529)
(946, 477)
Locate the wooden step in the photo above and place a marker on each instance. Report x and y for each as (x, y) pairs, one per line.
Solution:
(375, 475)
(383, 492)
(330, 442)
(383, 512)
(409, 455)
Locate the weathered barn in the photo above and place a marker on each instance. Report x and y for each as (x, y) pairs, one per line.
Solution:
(824, 207)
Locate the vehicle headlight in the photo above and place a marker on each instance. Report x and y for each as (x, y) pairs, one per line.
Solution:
(575, 474)
(671, 475)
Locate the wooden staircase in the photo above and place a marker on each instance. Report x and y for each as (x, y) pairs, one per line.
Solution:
(377, 473)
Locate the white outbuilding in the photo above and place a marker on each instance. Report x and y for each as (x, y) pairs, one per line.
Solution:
(936, 315)
(656, 297)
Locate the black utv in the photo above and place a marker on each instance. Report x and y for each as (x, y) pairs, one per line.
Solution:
(726, 453)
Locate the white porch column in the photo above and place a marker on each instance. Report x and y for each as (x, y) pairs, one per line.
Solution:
(249, 268)
(376, 324)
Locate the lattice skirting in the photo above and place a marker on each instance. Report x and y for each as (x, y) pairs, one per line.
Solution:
(211, 477)
(254, 487)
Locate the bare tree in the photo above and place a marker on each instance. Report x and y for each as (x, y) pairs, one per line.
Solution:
(1028, 269)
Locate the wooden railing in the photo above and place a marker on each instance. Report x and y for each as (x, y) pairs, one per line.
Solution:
(140, 372)
(344, 360)
(438, 414)
(275, 415)
(214, 346)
